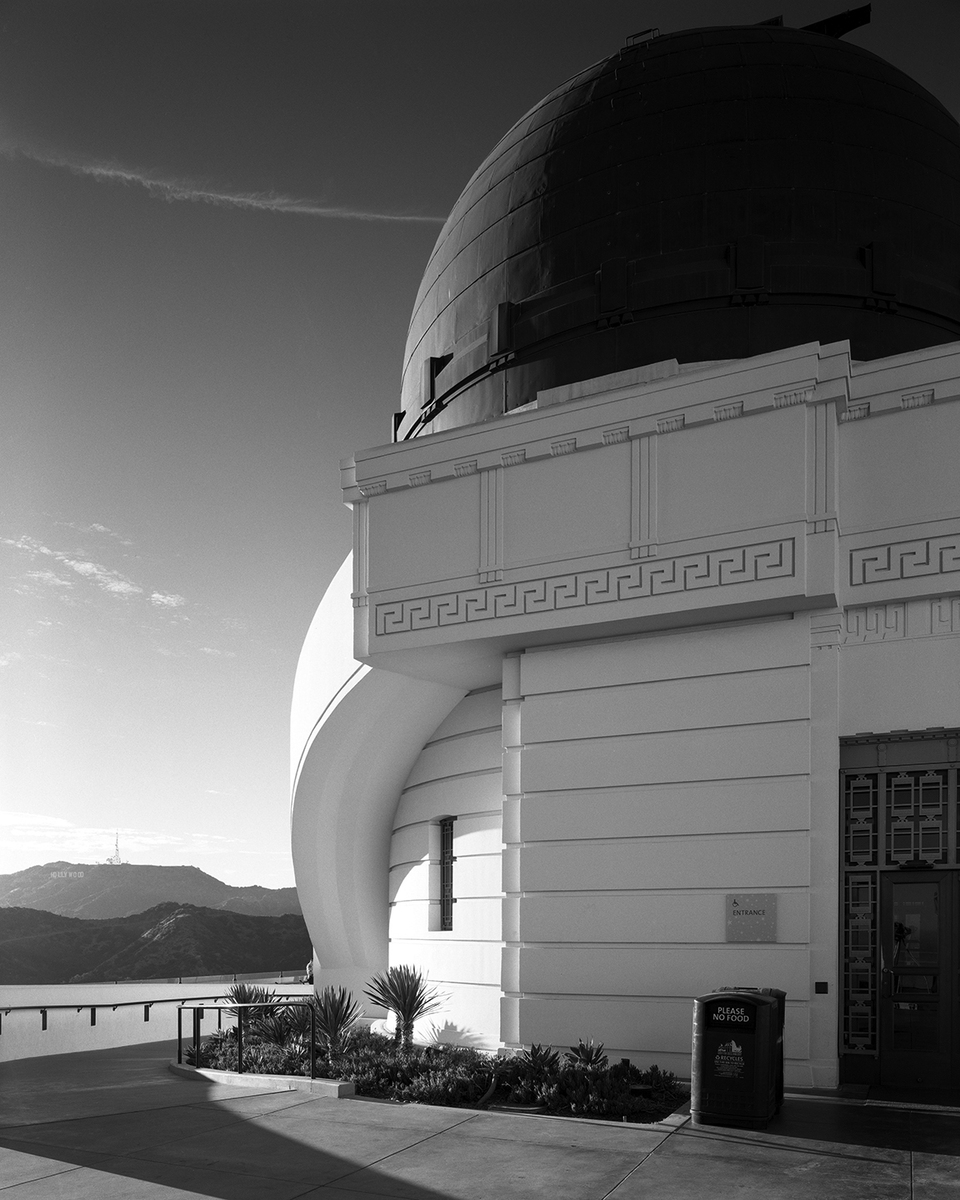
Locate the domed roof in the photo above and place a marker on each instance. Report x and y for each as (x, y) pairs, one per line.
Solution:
(714, 193)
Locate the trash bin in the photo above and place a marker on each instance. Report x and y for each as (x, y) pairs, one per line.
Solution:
(781, 999)
(736, 1051)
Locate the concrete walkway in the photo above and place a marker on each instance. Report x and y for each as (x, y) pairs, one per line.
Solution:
(117, 1123)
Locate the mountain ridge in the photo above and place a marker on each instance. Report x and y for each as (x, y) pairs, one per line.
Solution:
(104, 890)
(169, 939)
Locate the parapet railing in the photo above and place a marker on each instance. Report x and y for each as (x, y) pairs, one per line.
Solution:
(87, 1016)
(146, 1005)
(236, 1010)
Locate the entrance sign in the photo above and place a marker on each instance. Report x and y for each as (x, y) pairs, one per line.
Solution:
(752, 917)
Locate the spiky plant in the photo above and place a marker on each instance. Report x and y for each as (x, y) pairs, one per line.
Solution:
(587, 1054)
(405, 992)
(337, 1014)
(248, 993)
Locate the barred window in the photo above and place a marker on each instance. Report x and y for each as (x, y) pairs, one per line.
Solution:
(446, 873)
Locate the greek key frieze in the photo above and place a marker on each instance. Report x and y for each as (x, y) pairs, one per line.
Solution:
(633, 581)
(905, 560)
(875, 623)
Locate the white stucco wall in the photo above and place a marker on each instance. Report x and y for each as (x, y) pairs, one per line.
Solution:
(656, 774)
(457, 774)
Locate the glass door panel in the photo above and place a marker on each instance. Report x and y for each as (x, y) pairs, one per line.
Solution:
(917, 958)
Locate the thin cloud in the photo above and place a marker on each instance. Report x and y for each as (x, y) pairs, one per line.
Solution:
(105, 578)
(163, 600)
(164, 188)
(95, 527)
(51, 578)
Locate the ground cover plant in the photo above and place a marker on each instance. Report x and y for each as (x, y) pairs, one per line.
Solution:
(581, 1082)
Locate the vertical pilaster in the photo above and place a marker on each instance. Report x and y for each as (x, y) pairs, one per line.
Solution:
(491, 525)
(824, 846)
(822, 541)
(510, 967)
(643, 496)
(361, 567)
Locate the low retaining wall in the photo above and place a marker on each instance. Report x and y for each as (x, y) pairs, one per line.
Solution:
(335, 1088)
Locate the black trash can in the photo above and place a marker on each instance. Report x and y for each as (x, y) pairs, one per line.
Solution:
(781, 999)
(736, 1051)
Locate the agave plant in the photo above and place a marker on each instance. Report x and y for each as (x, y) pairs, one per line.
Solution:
(540, 1058)
(405, 992)
(587, 1054)
(337, 1014)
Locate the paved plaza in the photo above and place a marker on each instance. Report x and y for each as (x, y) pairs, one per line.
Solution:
(118, 1124)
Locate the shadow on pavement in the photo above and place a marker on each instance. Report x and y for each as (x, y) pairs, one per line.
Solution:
(119, 1124)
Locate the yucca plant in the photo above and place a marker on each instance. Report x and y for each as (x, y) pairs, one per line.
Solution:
(337, 1014)
(248, 993)
(405, 992)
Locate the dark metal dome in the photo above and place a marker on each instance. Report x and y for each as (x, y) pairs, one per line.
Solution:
(715, 193)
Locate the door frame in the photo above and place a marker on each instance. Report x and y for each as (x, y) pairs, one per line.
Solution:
(875, 851)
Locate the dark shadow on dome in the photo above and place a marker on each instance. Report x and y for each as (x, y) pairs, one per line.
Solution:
(713, 193)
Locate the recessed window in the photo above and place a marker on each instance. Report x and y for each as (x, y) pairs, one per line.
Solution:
(446, 873)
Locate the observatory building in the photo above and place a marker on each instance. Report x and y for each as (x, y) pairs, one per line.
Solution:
(644, 677)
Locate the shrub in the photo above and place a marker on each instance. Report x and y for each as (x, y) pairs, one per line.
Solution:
(404, 991)
(337, 1016)
(527, 1073)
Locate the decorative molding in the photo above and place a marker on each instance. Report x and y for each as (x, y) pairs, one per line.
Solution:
(826, 629)
(945, 615)
(671, 424)
(513, 458)
(637, 581)
(612, 436)
(856, 412)
(875, 623)
(559, 448)
(905, 560)
(788, 399)
(917, 399)
(727, 412)
(419, 478)
(373, 489)
(465, 468)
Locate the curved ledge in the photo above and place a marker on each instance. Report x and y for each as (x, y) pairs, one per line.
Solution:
(335, 1088)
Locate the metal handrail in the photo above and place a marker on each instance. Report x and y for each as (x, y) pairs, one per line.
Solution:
(198, 1010)
(8, 1009)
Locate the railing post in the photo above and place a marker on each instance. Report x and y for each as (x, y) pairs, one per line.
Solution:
(179, 1034)
(196, 1036)
(313, 1041)
(239, 1041)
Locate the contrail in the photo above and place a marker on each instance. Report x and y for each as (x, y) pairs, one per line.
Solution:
(185, 189)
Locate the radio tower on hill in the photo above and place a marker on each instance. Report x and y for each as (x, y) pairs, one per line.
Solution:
(115, 860)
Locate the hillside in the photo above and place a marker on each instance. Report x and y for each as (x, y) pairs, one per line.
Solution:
(107, 890)
(169, 939)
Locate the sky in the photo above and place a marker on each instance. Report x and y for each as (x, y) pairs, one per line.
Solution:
(215, 216)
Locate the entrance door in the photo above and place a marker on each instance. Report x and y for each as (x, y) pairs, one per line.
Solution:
(919, 962)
